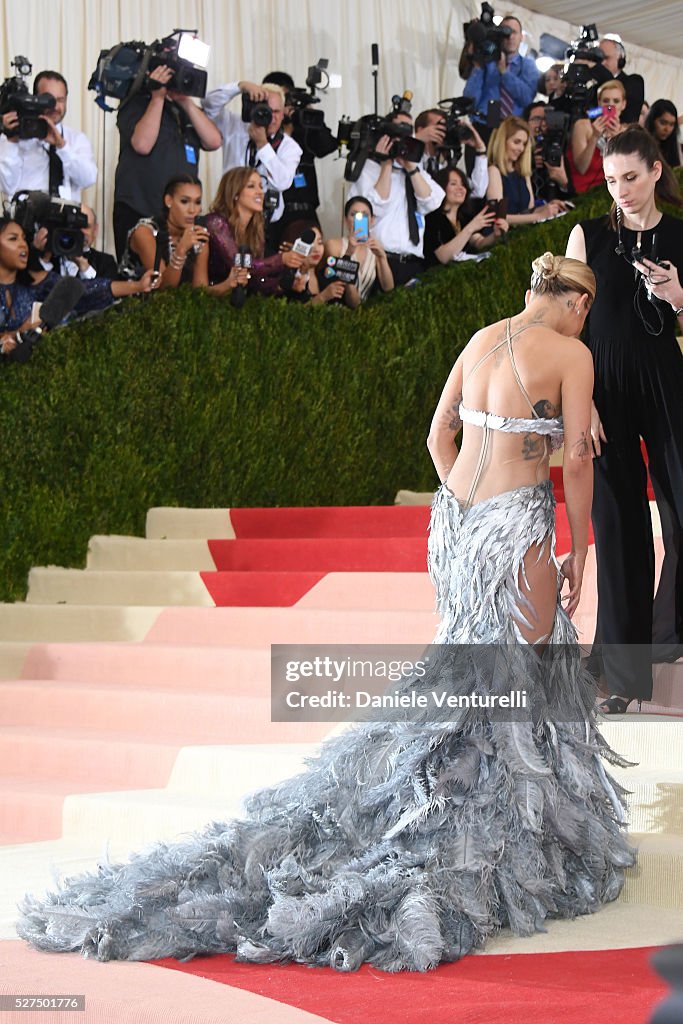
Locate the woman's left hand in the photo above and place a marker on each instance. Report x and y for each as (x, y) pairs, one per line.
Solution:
(661, 280)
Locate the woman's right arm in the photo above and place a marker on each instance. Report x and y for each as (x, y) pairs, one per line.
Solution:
(446, 424)
(577, 467)
(585, 135)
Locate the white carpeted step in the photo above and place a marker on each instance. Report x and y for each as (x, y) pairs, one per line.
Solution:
(249, 767)
(654, 743)
(140, 553)
(49, 623)
(53, 585)
(189, 523)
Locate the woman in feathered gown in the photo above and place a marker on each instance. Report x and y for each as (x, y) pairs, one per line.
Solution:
(408, 843)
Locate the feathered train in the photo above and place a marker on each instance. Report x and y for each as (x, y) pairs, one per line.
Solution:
(404, 844)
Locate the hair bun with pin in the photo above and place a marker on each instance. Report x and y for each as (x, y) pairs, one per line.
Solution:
(547, 267)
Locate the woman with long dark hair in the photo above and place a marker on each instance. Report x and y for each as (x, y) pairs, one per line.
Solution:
(236, 221)
(455, 228)
(662, 123)
(636, 253)
(174, 245)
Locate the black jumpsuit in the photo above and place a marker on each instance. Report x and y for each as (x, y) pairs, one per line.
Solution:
(638, 393)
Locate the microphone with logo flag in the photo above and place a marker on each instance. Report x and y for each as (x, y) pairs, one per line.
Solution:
(239, 292)
(303, 245)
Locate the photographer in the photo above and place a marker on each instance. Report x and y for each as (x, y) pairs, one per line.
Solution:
(430, 128)
(634, 86)
(162, 132)
(510, 80)
(265, 147)
(302, 200)
(61, 164)
(86, 265)
(548, 177)
(402, 195)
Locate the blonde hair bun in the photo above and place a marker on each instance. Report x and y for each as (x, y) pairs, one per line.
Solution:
(547, 267)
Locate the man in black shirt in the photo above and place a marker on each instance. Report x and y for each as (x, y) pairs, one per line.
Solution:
(162, 133)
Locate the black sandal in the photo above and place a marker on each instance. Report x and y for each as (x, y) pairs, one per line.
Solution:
(616, 705)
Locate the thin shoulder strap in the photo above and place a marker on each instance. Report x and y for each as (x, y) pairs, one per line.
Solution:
(524, 391)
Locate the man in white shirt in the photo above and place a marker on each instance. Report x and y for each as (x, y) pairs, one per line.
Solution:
(61, 164)
(268, 149)
(430, 128)
(399, 216)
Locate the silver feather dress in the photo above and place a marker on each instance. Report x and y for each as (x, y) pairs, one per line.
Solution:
(405, 843)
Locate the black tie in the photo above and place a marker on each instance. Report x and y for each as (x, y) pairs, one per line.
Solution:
(56, 171)
(413, 229)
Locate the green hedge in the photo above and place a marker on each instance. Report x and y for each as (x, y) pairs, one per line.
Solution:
(182, 400)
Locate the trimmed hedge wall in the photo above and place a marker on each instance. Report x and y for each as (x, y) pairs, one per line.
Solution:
(182, 400)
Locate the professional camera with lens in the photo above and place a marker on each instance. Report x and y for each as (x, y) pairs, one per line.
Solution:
(361, 138)
(63, 220)
(123, 70)
(486, 37)
(553, 141)
(255, 111)
(457, 131)
(31, 110)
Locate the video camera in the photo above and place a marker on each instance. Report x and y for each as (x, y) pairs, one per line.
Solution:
(361, 137)
(123, 70)
(457, 131)
(553, 141)
(581, 80)
(63, 220)
(486, 37)
(15, 96)
(301, 100)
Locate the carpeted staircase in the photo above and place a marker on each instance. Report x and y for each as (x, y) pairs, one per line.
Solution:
(135, 694)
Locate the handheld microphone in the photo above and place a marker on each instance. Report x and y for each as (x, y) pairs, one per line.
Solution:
(374, 54)
(62, 299)
(242, 261)
(303, 245)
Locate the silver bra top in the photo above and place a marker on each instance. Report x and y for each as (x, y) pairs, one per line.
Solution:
(547, 426)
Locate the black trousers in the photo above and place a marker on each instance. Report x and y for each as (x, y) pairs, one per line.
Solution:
(405, 268)
(633, 629)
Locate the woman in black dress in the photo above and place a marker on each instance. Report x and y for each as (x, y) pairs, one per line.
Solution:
(636, 254)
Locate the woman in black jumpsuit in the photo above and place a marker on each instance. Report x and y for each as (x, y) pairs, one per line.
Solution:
(638, 393)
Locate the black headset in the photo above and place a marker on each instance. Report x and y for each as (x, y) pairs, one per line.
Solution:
(621, 63)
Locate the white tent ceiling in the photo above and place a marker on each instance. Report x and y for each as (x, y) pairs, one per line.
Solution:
(655, 24)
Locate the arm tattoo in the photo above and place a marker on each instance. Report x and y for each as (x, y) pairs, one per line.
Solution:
(582, 446)
(455, 422)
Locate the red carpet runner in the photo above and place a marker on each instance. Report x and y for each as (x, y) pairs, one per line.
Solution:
(597, 987)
